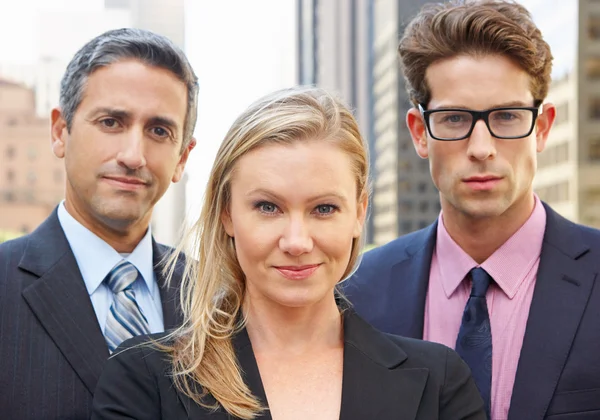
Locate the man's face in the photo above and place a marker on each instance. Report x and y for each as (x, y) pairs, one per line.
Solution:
(481, 176)
(125, 144)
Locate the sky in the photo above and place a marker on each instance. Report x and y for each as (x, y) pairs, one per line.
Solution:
(241, 50)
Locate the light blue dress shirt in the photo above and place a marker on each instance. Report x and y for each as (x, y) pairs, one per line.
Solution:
(96, 259)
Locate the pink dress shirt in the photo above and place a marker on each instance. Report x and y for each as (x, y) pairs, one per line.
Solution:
(514, 269)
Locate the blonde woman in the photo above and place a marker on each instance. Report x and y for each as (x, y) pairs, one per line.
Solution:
(265, 334)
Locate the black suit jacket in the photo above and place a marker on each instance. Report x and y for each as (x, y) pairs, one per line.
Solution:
(558, 374)
(385, 377)
(51, 348)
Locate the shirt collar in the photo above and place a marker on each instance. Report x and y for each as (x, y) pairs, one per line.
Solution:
(508, 265)
(96, 258)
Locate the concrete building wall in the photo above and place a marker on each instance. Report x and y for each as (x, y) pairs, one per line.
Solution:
(31, 178)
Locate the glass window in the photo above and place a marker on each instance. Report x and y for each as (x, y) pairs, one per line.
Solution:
(406, 227)
(554, 155)
(405, 206)
(10, 152)
(562, 113)
(594, 152)
(594, 110)
(594, 26)
(592, 67)
(403, 186)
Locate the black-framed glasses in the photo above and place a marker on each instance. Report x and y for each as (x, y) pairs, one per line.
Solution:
(449, 124)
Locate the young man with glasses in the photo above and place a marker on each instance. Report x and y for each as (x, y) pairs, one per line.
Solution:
(500, 276)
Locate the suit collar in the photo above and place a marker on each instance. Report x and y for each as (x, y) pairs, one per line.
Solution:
(563, 287)
(96, 258)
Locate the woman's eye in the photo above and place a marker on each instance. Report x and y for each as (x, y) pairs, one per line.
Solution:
(325, 209)
(266, 207)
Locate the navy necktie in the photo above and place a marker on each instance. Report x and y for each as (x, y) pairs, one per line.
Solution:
(474, 342)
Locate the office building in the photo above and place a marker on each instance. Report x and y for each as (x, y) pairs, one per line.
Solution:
(351, 48)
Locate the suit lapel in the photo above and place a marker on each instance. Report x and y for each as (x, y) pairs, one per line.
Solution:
(249, 366)
(410, 280)
(61, 303)
(249, 369)
(375, 386)
(562, 290)
(169, 291)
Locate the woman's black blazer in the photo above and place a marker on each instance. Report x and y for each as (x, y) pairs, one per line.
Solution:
(384, 377)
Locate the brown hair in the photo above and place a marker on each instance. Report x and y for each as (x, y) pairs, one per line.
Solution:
(213, 289)
(473, 27)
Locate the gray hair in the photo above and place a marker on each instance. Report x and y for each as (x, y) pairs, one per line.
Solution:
(128, 43)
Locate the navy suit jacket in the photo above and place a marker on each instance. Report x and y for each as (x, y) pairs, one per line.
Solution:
(51, 348)
(558, 374)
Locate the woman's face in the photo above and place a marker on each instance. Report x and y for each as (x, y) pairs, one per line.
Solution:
(294, 214)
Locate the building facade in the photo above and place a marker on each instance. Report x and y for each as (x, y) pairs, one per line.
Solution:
(350, 47)
(165, 17)
(32, 179)
(568, 176)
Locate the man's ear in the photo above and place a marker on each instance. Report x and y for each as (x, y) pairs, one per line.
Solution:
(58, 132)
(543, 126)
(183, 160)
(418, 132)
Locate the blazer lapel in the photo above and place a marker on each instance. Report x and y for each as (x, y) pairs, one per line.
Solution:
(169, 291)
(410, 282)
(251, 374)
(562, 290)
(375, 386)
(60, 301)
(249, 367)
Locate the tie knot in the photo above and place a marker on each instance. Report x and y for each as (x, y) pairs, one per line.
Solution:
(121, 276)
(481, 282)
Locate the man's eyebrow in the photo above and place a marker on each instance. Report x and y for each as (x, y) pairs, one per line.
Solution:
(113, 112)
(500, 105)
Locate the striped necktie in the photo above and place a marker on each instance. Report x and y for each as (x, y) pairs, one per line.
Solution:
(125, 318)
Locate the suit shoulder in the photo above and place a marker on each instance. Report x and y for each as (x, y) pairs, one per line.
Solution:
(146, 347)
(11, 251)
(396, 250)
(420, 349)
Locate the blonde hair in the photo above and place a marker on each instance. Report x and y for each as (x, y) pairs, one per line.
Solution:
(214, 284)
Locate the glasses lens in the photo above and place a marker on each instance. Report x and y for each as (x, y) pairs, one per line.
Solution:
(511, 122)
(503, 123)
(450, 124)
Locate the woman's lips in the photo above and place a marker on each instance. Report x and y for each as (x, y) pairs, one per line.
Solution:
(297, 272)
